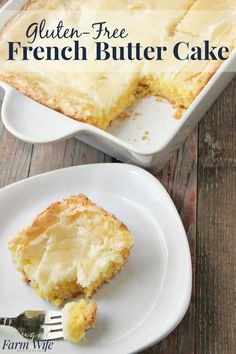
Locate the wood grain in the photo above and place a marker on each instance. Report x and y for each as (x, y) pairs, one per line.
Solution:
(69, 153)
(180, 179)
(15, 157)
(216, 230)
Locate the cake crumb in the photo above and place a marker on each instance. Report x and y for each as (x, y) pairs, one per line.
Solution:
(124, 116)
(130, 114)
(178, 113)
(77, 318)
(146, 136)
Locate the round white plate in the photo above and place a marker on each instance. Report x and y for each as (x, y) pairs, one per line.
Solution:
(149, 297)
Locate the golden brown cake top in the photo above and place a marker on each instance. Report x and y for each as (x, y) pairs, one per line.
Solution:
(72, 239)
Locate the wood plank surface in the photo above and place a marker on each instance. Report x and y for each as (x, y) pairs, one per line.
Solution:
(180, 179)
(216, 228)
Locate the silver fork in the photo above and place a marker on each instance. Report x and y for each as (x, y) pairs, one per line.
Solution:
(37, 325)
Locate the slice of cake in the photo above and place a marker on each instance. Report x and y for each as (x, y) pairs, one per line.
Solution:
(70, 249)
(77, 318)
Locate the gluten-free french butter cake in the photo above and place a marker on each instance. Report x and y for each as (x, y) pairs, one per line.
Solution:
(98, 97)
(71, 249)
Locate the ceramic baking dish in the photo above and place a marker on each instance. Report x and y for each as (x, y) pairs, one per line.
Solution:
(147, 138)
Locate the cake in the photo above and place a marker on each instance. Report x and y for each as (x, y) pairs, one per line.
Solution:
(96, 93)
(212, 20)
(71, 249)
(77, 318)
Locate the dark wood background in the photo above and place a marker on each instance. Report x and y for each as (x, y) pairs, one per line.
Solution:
(201, 179)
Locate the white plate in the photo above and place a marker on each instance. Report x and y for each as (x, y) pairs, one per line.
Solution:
(143, 303)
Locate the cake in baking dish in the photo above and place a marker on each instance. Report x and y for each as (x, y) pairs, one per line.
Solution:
(71, 249)
(98, 97)
(214, 20)
(77, 318)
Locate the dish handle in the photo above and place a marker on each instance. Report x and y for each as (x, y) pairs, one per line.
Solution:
(35, 123)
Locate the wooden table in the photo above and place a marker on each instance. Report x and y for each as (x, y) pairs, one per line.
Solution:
(201, 179)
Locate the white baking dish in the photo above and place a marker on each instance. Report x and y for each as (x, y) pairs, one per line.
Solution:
(148, 138)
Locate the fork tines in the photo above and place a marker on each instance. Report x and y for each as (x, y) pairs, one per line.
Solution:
(53, 325)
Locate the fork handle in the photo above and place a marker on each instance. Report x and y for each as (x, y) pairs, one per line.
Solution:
(5, 321)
